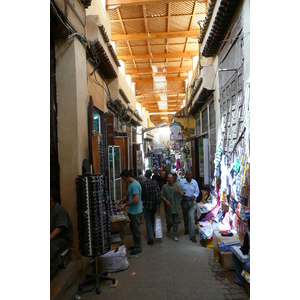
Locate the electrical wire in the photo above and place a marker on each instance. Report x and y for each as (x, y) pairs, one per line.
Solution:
(97, 82)
(238, 36)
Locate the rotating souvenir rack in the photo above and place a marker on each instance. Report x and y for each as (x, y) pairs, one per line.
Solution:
(93, 213)
(93, 216)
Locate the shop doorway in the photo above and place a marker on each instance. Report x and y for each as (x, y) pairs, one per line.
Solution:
(123, 143)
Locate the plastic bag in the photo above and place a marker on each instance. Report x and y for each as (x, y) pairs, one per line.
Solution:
(157, 227)
(115, 260)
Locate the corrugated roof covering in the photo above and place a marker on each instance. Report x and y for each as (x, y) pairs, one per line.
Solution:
(219, 28)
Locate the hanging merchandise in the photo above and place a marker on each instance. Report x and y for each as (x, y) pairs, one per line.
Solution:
(236, 166)
(223, 174)
(218, 157)
(225, 223)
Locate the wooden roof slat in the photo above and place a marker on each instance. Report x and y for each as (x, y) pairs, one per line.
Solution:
(113, 3)
(154, 35)
(161, 55)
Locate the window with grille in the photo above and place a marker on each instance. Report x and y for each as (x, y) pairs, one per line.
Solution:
(133, 135)
(198, 127)
(204, 121)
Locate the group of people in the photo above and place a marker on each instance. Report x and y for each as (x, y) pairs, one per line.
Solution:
(175, 195)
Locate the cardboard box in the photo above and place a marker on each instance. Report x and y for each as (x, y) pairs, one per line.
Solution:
(223, 247)
(226, 260)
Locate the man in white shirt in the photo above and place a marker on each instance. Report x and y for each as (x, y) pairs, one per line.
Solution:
(189, 194)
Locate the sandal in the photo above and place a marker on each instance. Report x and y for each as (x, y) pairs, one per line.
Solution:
(235, 281)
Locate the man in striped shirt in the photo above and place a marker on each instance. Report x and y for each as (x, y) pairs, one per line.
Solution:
(151, 204)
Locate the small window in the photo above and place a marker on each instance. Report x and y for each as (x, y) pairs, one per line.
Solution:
(204, 121)
(198, 127)
(97, 127)
(133, 135)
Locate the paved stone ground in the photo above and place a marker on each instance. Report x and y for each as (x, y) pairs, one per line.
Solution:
(171, 270)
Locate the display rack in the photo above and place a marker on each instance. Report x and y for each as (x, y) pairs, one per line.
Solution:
(93, 221)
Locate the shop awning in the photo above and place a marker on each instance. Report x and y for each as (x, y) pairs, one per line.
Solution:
(221, 22)
(202, 98)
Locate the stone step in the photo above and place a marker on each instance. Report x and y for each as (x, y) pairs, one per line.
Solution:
(64, 280)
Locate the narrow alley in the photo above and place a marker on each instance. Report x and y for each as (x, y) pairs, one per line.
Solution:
(170, 270)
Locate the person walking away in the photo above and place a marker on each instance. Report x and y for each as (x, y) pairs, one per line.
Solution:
(151, 203)
(176, 180)
(189, 192)
(134, 211)
(156, 176)
(141, 177)
(171, 197)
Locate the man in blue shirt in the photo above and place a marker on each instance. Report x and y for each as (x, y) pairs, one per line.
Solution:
(134, 211)
(189, 194)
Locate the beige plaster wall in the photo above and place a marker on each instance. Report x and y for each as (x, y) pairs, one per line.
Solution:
(96, 8)
(72, 120)
(95, 90)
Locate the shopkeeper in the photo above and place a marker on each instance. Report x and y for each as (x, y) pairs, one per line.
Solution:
(205, 194)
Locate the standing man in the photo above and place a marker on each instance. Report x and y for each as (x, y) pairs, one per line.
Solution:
(189, 193)
(151, 203)
(156, 176)
(175, 180)
(134, 211)
(171, 197)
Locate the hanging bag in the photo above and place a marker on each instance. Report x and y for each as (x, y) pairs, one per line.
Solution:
(157, 227)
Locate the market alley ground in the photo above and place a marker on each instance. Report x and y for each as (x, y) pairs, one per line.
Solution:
(170, 270)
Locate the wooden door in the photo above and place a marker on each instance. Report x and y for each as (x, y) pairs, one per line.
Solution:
(123, 143)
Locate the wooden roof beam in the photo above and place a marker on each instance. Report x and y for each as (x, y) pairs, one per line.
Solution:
(150, 100)
(154, 35)
(189, 54)
(157, 17)
(111, 4)
(182, 78)
(160, 70)
(151, 92)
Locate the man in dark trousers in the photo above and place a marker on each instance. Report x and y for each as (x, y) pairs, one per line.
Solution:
(151, 203)
(61, 232)
(134, 204)
(189, 194)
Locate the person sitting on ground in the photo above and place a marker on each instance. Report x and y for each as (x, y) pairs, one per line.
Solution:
(205, 194)
(61, 232)
(239, 266)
